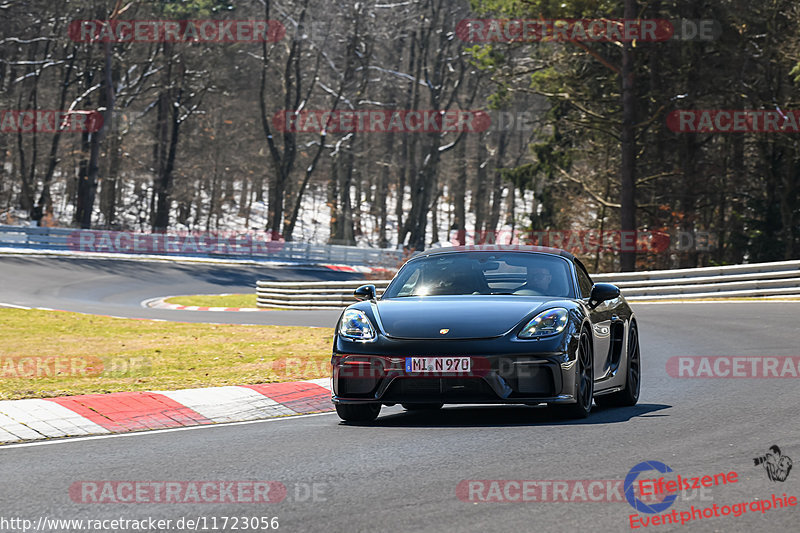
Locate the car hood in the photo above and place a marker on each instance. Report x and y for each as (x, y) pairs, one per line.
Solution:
(466, 317)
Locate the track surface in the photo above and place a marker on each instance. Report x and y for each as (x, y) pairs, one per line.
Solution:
(401, 474)
(117, 287)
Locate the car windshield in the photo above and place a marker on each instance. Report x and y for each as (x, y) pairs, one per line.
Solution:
(523, 274)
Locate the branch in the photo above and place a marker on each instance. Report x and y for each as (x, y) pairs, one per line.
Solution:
(586, 189)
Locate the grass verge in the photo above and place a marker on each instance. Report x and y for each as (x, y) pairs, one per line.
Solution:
(49, 353)
(215, 300)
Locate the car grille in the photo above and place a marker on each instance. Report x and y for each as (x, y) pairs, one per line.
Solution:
(403, 389)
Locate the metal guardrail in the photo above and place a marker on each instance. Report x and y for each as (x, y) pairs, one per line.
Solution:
(754, 280)
(311, 294)
(221, 245)
(736, 281)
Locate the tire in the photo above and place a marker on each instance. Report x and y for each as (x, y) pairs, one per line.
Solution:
(422, 406)
(365, 412)
(628, 396)
(584, 381)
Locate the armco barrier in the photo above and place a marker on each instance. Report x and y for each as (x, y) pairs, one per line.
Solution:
(311, 294)
(736, 281)
(225, 245)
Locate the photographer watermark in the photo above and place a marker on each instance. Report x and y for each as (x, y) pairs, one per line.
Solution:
(655, 494)
(776, 464)
(661, 484)
(714, 511)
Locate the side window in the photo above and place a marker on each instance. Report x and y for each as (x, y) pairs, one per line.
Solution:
(583, 282)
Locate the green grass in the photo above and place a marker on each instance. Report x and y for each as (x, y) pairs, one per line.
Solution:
(50, 353)
(215, 300)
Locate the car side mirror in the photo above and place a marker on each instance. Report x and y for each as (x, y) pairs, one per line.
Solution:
(365, 292)
(602, 292)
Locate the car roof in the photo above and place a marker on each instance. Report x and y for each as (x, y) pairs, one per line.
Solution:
(496, 248)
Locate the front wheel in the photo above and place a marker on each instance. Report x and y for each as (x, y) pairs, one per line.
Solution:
(365, 412)
(628, 396)
(584, 381)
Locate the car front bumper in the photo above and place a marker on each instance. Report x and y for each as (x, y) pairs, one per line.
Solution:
(517, 378)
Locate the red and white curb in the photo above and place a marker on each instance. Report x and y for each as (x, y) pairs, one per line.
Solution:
(161, 303)
(120, 412)
(361, 269)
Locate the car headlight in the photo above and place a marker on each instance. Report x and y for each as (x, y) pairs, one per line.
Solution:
(356, 326)
(548, 322)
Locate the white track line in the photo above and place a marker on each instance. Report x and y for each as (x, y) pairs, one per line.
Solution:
(14, 306)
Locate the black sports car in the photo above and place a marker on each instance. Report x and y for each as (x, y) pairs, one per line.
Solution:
(521, 325)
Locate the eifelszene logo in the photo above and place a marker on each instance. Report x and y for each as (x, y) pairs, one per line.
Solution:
(630, 485)
(777, 466)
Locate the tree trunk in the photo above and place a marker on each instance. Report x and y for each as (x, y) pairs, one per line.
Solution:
(108, 199)
(45, 204)
(166, 163)
(497, 188)
(383, 190)
(458, 194)
(480, 193)
(628, 162)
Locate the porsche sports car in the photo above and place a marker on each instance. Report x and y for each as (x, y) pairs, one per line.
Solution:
(487, 325)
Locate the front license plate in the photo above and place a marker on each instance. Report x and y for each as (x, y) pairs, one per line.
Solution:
(438, 364)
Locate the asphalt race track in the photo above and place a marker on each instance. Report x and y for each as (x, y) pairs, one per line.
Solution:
(117, 287)
(401, 474)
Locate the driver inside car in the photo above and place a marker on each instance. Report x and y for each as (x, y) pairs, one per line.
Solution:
(537, 282)
(459, 278)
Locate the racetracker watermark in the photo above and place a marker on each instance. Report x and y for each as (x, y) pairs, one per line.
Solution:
(593, 241)
(44, 366)
(176, 31)
(295, 366)
(734, 121)
(236, 243)
(149, 523)
(586, 30)
(556, 491)
(726, 366)
(50, 121)
(563, 30)
(375, 367)
(382, 121)
(159, 492)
